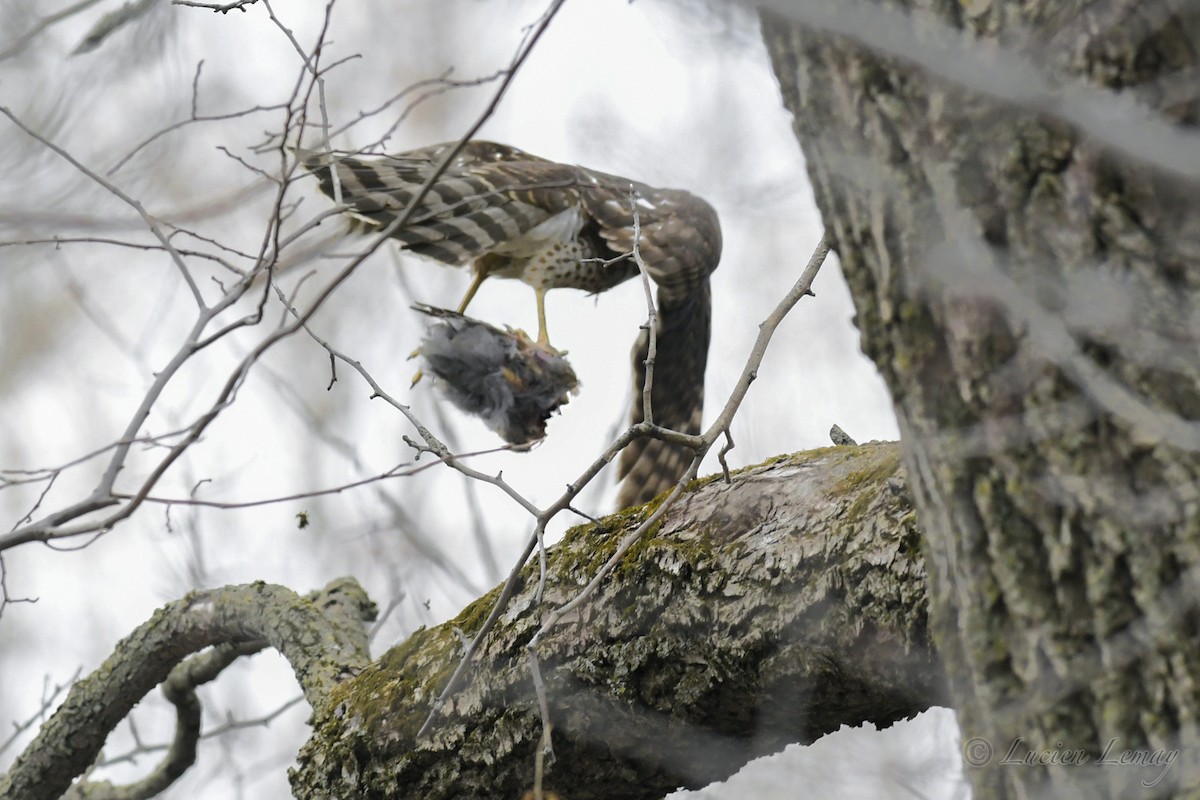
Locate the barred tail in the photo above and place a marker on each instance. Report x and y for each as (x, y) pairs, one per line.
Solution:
(649, 467)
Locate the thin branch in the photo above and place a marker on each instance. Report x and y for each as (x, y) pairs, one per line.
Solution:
(39, 715)
(441, 85)
(192, 118)
(57, 241)
(150, 221)
(651, 313)
(395, 472)
(54, 525)
(220, 8)
(228, 726)
(700, 445)
(721, 425)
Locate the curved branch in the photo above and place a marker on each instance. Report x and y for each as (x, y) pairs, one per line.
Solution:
(180, 689)
(321, 636)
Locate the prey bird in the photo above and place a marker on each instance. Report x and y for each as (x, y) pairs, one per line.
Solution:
(510, 214)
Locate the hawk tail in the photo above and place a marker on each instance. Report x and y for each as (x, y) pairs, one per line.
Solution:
(648, 466)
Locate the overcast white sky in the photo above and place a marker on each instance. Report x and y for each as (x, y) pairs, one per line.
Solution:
(668, 93)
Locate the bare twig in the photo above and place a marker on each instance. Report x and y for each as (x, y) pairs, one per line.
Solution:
(651, 313)
(398, 471)
(48, 701)
(151, 222)
(54, 526)
(220, 8)
(194, 117)
(700, 445)
(719, 427)
(230, 724)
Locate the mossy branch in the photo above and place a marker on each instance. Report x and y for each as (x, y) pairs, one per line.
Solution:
(321, 636)
(770, 610)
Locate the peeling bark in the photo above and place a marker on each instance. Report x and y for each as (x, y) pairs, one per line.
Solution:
(768, 611)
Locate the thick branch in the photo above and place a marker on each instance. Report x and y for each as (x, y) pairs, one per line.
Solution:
(321, 637)
(763, 612)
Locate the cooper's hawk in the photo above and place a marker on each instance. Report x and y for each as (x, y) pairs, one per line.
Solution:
(515, 215)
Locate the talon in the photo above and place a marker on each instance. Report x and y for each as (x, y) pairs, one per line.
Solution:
(416, 378)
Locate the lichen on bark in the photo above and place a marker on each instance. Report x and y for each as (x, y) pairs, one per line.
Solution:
(769, 610)
(1027, 289)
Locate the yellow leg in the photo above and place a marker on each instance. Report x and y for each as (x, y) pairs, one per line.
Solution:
(543, 334)
(479, 277)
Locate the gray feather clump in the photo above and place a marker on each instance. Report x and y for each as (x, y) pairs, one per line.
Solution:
(503, 377)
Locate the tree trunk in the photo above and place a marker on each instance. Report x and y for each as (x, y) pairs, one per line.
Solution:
(1024, 255)
(768, 611)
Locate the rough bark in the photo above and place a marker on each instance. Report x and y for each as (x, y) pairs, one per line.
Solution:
(1028, 292)
(322, 637)
(771, 610)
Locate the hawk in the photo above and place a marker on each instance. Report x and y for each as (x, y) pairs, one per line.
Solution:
(510, 214)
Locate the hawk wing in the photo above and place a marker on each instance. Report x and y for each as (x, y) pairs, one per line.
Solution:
(679, 240)
(488, 194)
(680, 235)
